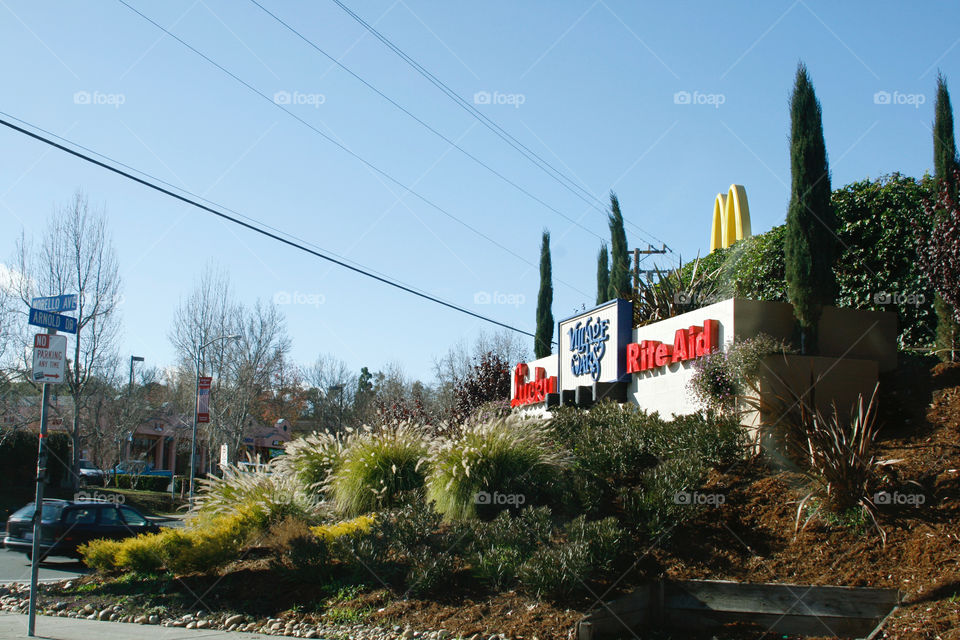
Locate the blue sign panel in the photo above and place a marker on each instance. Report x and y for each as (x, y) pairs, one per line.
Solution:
(55, 304)
(56, 321)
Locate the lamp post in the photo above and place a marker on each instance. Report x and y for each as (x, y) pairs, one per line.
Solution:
(339, 388)
(130, 397)
(196, 397)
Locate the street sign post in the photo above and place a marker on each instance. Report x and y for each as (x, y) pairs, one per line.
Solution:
(49, 358)
(55, 304)
(54, 321)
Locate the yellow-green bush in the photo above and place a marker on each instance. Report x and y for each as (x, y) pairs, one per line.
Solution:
(100, 555)
(204, 544)
(330, 532)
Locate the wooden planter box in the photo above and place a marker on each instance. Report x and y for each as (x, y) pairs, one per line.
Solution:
(703, 605)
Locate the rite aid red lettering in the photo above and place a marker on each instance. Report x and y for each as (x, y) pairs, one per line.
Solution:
(694, 342)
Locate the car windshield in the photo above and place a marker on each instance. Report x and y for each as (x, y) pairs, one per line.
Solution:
(51, 512)
(84, 464)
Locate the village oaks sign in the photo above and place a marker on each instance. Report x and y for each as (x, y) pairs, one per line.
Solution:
(601, 346)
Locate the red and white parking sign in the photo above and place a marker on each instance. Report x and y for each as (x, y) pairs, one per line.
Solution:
(49, 358)
(203, 399)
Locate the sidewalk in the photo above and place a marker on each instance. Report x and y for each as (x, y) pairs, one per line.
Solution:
(52, 628)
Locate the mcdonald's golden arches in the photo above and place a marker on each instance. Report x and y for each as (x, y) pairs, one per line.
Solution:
(731, 218)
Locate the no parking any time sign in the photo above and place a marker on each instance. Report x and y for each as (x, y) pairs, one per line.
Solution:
(49, 358)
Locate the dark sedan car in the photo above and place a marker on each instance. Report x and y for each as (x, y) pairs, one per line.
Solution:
(65, 525)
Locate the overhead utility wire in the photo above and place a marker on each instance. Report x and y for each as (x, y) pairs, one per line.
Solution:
(429, 128)
(239, 214)
(504, 135)
(341, 146)
(254, 228)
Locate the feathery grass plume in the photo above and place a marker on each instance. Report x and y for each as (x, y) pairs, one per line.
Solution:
(506, 456)
(377, 466)
(272, 495)
(312, 459)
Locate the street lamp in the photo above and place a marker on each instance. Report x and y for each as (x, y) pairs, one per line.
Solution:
(196, 396)
(129, 399)
(339, 387)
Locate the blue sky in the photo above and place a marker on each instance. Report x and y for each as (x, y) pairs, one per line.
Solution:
(592, 87)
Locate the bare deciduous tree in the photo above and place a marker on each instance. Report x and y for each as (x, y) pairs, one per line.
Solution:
(76, 255)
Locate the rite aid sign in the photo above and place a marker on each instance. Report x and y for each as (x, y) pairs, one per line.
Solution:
(49, 358)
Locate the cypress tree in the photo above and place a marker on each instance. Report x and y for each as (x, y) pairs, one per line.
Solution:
(810, 243)
(619, 286)
(544, 334)
(944, 164)
(603, 274)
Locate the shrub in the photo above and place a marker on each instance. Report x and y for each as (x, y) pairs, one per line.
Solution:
(429, 570)
(297, 550)
(499, 566)
(676, 291)
(312, 459)
(378, 466)
(356, 526)
(653, 506)
(497, 549)
(100, 555)
(556, 571)
(140, 554)
(507, 456)
(273, 495)
(722, 379)
(604, 540)
(140, 482)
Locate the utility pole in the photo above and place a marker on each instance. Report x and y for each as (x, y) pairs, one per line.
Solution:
(636, 262)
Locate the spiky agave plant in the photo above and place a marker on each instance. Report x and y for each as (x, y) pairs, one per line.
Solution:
(504, 455)
(674, 294)
(841, 459)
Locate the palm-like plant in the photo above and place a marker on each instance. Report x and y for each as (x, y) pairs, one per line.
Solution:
(673, 293)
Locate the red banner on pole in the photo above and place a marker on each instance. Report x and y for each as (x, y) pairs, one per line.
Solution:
(203, 399)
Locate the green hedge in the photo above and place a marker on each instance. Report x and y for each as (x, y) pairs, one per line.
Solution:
(141, 482)
(18, 458)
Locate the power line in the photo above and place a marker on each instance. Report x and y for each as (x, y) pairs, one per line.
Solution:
(429, 128)
(343, 147)
(503, 134)
(256, 229)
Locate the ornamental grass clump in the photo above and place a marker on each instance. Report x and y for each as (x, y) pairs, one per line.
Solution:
(377, 467)
(273, 495)
(494, 463)
(312, 459)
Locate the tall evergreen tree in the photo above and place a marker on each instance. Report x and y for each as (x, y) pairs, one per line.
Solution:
(619, 286)
(544, 335)
(945, 164)
(810, 244)
(603, 274)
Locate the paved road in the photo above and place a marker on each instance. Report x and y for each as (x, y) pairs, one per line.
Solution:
(14, 567)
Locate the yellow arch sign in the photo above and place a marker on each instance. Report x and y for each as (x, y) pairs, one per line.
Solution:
(731, 218)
